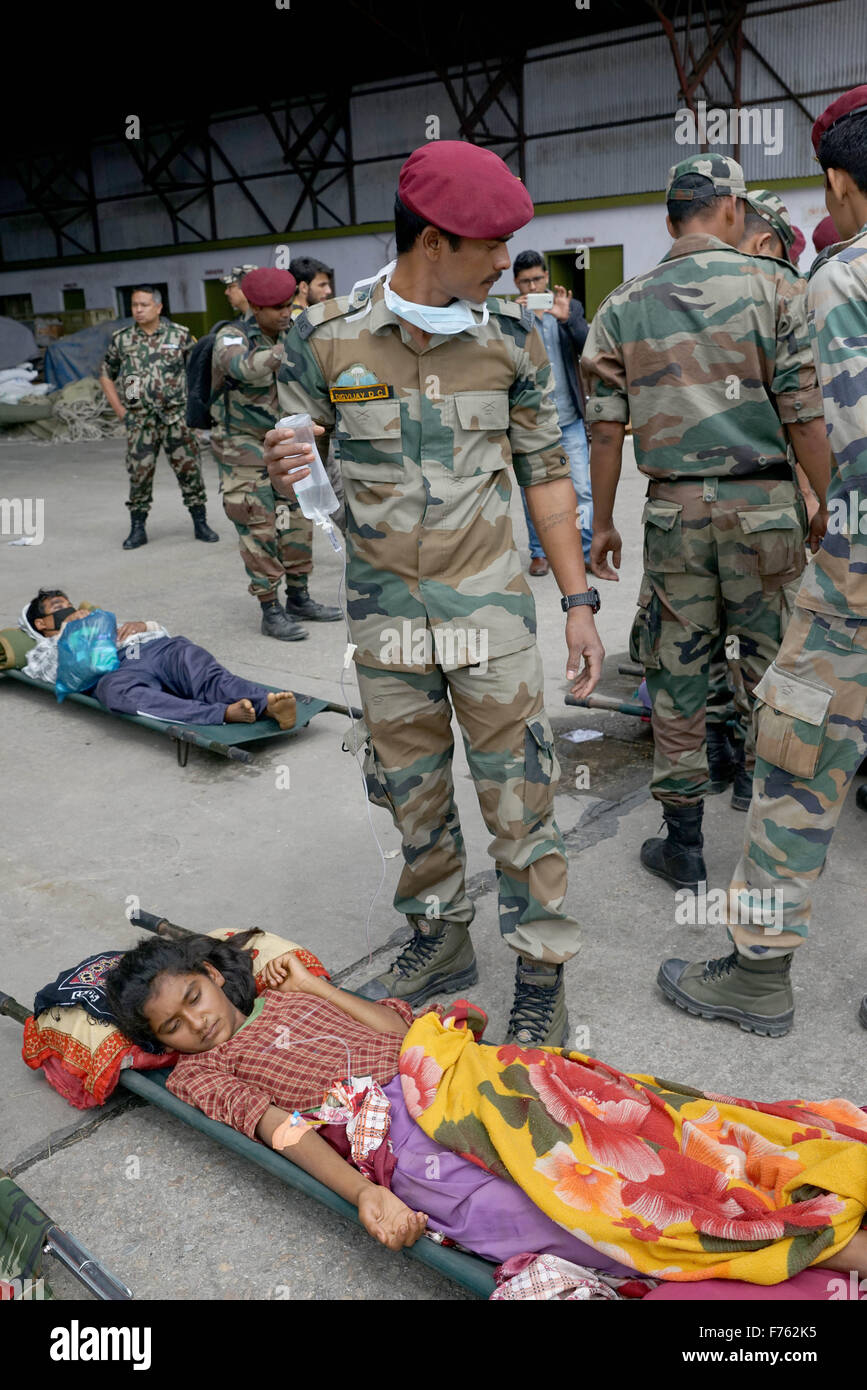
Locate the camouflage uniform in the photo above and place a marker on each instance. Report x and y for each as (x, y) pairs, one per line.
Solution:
(424, 439)
(276, 538)
(693, 351)
(811, 714)
(150, 369)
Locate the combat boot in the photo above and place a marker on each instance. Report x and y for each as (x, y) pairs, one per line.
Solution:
(275, 623)
(754, 993)
(137, 534)
(299, 604)
(439, 960)
(720, 763)
(679, 858)
(742, 791)
(861, 798)
(201, 529)
(538, 1017)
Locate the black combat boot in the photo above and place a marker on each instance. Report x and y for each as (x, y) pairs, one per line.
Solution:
(201, 529)
(861, 798)
(275, 623)
(679, 858)
(299, 604)
(742, 791)
(720, 761)
(538, 1017)
(137, 534)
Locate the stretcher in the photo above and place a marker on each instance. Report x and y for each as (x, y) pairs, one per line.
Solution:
(470, 1271)
(227, 740)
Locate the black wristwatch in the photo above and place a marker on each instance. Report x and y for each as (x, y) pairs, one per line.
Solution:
(591, 598)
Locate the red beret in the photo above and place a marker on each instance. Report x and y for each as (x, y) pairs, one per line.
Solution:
(267, 288)
(856, 100)
(464, 189)
(825, 234)
(797, 245)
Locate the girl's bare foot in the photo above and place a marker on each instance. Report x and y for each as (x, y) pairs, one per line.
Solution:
(852, 1256)
(241, 712)
(281, 706)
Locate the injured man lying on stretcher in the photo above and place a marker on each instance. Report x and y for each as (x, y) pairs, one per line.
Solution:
(160, 676)
(504, 1150)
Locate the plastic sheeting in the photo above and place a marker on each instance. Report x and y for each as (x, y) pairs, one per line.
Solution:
(79, 354)
(17, 344)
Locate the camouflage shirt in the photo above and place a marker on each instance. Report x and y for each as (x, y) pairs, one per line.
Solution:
(150, 368)
(424, 438)
(698, 352)
(836, 582)
(243, 364)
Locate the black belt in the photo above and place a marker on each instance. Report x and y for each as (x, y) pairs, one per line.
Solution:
(775, 472)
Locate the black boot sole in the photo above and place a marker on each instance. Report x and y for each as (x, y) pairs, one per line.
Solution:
(862, 1012)
(741, 803)
(750, 1023)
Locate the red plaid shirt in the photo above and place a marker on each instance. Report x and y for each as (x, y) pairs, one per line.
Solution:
(270, 1062)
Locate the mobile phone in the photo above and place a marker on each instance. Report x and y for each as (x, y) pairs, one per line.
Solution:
(540, 301)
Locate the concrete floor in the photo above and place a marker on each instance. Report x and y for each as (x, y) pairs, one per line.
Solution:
(98, 813)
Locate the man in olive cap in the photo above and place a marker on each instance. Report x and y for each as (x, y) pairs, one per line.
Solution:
(811, 720)
(708, 355)
(437, 391)
(768, 229)
(234, 293)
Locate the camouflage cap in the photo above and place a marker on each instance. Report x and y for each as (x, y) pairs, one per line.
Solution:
(237, 273)
(774, 212)
(724, 174)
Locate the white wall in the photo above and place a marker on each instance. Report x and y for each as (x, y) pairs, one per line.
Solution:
(640, 230)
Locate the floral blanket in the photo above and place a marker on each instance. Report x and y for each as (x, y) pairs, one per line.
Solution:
(675, 1183)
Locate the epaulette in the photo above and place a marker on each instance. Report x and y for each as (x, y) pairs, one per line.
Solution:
(510, 310)
(317, 314)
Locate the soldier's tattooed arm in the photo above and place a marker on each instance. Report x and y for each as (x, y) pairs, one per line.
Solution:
(813, 452)
(554, 511)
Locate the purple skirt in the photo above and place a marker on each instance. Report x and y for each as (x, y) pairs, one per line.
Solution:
(490, 1216)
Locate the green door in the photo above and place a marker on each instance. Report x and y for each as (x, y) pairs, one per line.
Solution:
(603, 274)
(217, 306)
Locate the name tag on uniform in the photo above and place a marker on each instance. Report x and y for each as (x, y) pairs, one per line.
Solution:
(230, 342)
(378, 391)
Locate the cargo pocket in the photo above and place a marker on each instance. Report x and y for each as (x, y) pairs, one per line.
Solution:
(791, 721)
(663, 538)
(481, 443)
(773, 540)
(368, 441)
(646, 629)
(541, 769)
(374, 774)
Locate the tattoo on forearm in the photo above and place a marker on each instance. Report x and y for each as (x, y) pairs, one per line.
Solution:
(553, 519)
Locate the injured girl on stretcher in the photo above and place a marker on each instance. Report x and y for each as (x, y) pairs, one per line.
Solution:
(502, 1149)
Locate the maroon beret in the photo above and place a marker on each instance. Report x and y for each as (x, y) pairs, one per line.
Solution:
(825, 234)
(846, 105)
(267, 288)
(797, 245)
(464, 189)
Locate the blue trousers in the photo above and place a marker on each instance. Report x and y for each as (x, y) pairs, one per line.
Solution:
(171, 678)
(575, 446)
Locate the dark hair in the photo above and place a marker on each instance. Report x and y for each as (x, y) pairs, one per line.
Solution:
(306, 268)
(755, 225)
(129, 983)
(844, 147)
(155, 294)
(524, 260)
(35, 608)
(408, 227)
(703, 206)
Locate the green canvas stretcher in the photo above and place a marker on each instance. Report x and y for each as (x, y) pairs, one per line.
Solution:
(472, 1272)
(224, 739)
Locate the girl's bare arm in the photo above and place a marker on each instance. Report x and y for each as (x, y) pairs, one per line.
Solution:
(383, 1216)
(288, 975)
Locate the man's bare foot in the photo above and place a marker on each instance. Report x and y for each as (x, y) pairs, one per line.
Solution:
(241, 712)
(281, 706)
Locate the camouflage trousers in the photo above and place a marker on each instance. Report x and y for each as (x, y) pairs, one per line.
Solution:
(811, 735)
(718, 554)
(276, 538)
(510, 751)
(146, 434)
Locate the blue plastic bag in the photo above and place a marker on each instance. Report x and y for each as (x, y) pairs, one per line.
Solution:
(86, 650)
